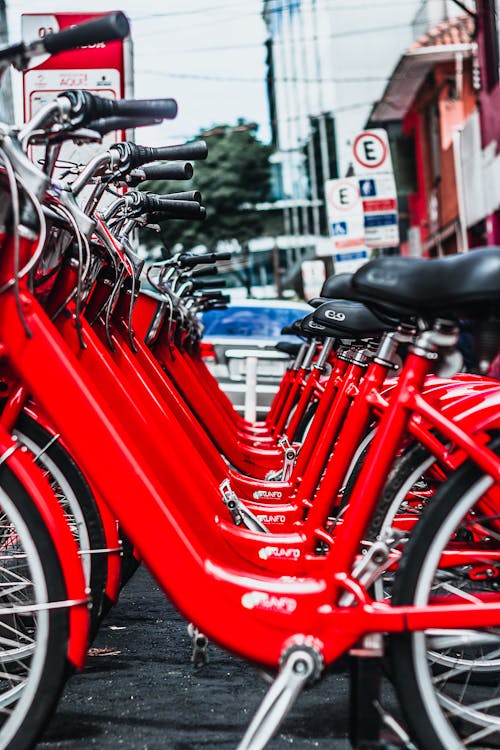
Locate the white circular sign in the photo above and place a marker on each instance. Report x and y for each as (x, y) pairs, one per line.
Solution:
(370, 150)
(343, 195)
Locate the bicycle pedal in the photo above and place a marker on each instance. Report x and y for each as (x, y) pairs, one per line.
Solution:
(289, 458)
(199, 655)
(240, 514)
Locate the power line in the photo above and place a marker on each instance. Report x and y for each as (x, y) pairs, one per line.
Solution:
(284, 79)
(278, 9)
(338, 35)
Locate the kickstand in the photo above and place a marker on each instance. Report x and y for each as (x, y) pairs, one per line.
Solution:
(298, 667)
(199, 655)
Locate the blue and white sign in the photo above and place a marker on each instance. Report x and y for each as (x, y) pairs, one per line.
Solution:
(367, 188)
(380, 220)
(339, 228)
(377, 188)
(359, 255)
(345, 216)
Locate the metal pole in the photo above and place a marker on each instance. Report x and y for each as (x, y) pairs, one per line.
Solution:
(301, 117)
(251, 389)
(311, 155)
(291, 116)
(323, 139)
(459, 178)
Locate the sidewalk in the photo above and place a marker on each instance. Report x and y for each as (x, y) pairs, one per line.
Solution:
(141, 692)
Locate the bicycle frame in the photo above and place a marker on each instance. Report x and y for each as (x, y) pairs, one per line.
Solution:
(242, 608)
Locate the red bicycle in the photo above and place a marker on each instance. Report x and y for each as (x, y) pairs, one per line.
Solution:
(298, 624)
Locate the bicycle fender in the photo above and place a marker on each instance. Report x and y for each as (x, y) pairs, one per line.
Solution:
(108, 521)
(28, 474)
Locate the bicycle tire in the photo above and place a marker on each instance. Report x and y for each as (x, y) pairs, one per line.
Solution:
(410, 468)
(37, 659)
(78, 502)
(305, 422)
(439, 709)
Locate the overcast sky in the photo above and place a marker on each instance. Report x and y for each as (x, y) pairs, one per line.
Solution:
(210, 55)
(207, 54)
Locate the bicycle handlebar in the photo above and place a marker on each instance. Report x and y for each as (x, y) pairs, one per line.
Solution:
(210, 284)
(104, 29)
(136, 156)
(210, 271)
(158, 203)
(185, 210)
(195, 150)
(214, 294)
(86, 107)
(107, 124)
(161, 172)
(167, 171)
(185, 195)
(187, 261)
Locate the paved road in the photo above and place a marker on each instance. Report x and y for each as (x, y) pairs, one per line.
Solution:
(140, 691)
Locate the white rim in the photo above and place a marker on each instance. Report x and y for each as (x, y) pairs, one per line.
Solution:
(434, 706)
(26, 691)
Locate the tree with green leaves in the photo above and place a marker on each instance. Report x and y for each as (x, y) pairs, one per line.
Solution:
(234, 177)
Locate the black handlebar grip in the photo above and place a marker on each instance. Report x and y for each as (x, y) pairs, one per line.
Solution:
(158, 109)
(201, 284)
(195, 150)
(194, 260)
(168, 171)
(214, 294)
(87, 107)
(188, 261)
(220, 256)
(107, 124)
(178, 213)
(158, 203)
(136, 156)
(215, 306)
(185, 195)
(103, 29)
(210, 271)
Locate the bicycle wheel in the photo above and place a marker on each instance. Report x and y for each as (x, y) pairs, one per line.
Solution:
(434, 671)
(32, 644)
(412, 482)
(77, 501)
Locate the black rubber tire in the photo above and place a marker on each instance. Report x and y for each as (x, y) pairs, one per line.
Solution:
(82, 496)
(416, 684)
(46, 668)
(412, 464)
(305, 422)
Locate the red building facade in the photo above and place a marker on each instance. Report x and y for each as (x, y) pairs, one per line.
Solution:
(445, 106)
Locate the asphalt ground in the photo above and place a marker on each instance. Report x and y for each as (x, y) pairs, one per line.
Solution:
(140, 690)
